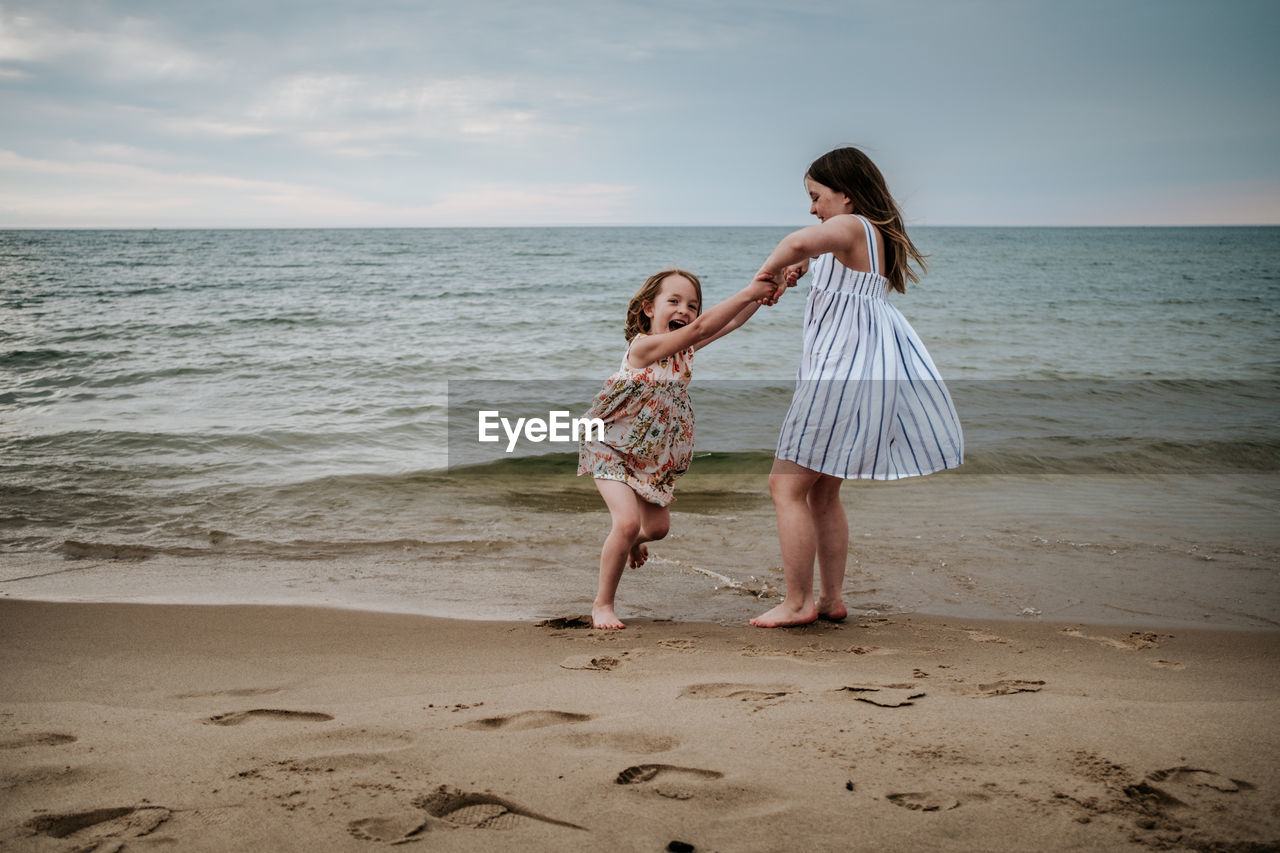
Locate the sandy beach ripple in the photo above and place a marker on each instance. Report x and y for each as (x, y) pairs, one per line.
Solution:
(212, 727)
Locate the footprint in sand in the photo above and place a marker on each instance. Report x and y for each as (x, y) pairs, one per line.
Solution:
(240, 693)
(1189, 779)
(332, 763)
(1135, 641)
(744, 692)
(669, 780)
(985, 637)
(390, 830)
(100, 825)
(565, 622)
(480, 810)
(886, 696)
(924, 801)
(604, 663)
(1164, 798)
(1007, 686)
(527, 720)
(236, 718)
(37, 739)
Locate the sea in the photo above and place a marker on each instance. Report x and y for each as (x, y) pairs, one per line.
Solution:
(296, 417)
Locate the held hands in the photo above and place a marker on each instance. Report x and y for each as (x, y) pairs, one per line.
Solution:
(763, 289)
(770, 296)
(790, 275)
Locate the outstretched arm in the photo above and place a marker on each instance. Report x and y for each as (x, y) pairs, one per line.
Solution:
(738, 319)
(838, 235)
(705, 327)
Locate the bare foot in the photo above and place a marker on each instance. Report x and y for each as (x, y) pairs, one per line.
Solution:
(835, 612)
(639, 555)
(783, 616)
(602, 616)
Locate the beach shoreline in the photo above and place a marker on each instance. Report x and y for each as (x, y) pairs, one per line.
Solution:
(209, 727)
(1191, 550)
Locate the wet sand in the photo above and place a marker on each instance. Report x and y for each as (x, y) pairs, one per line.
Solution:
(137, 727)
(1197, 551)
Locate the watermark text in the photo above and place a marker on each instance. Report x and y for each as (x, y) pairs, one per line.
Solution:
(558, 426)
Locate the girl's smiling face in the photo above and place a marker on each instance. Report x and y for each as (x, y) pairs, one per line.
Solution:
(825, 202)
(676, 305)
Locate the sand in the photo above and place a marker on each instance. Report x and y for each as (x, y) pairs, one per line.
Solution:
(147, 727)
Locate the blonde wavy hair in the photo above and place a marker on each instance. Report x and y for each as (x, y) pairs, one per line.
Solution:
(637, 322)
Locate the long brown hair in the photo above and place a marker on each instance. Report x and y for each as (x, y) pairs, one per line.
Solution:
(637, 322)
(849, 171)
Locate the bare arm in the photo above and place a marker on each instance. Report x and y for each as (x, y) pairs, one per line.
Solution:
(741, 317)
(838, 235)
(704, 329)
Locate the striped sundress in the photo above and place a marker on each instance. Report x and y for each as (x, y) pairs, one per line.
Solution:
(868, 403)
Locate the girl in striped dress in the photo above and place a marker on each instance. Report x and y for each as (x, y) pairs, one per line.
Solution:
(868, 403)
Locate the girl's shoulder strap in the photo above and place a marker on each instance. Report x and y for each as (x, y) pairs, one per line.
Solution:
(872, 254)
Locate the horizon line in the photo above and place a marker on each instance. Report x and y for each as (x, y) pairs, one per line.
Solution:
(579, 225)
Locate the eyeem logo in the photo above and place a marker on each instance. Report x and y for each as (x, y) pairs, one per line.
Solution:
(559, 426)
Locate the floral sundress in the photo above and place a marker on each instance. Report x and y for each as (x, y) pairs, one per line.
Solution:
(648, 433)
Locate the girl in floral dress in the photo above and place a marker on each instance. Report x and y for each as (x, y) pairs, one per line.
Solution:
(648, 436)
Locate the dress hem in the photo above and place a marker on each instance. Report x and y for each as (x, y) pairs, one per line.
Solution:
(880, 477)
(640, 494)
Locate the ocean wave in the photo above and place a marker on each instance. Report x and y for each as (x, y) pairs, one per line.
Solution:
(254, 421)
(312, 320)
(436, 514)
(44, 358)
(74, 550)
(1065, 455)
(224, 544)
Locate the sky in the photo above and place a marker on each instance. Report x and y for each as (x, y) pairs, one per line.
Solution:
(392, 113)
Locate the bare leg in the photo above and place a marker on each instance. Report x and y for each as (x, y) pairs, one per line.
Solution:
(634, 521)
(655, 521)
(833, 545)
(789, 485)
(811, 522)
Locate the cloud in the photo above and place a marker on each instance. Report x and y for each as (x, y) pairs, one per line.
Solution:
(368, 116)
(694, 112)
(598, 204)
(129, 49)
(24, 38)
(49, 193)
